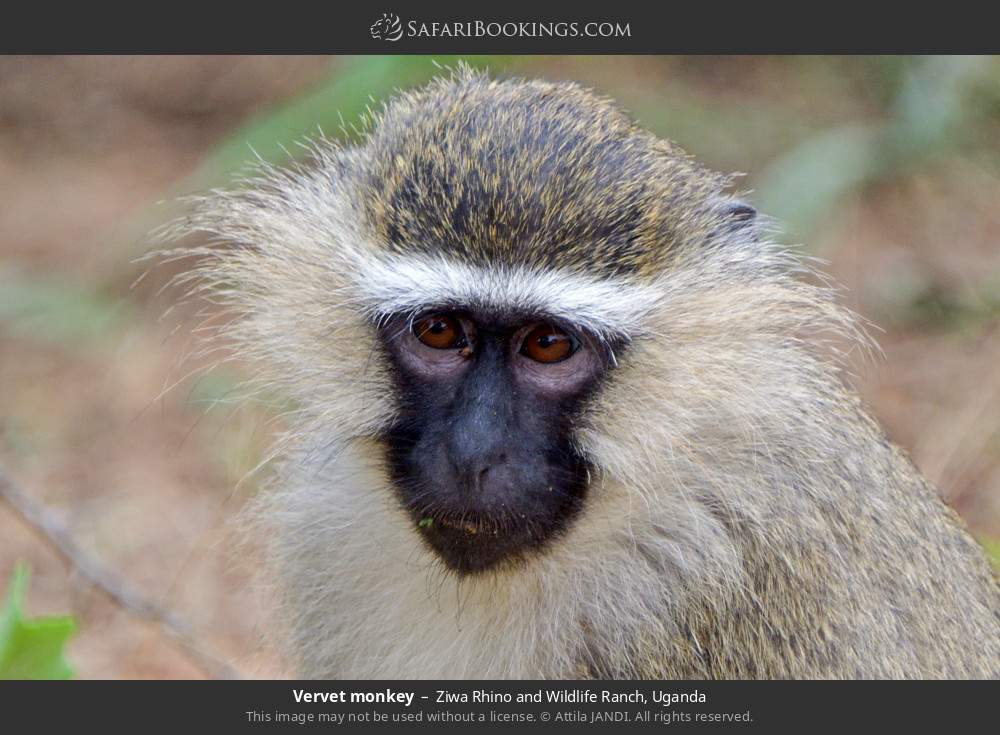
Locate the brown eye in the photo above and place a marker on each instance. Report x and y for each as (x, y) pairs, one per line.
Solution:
(546, 343)
(439, 331)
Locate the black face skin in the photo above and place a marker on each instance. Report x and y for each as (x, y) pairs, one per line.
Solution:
(481, 454)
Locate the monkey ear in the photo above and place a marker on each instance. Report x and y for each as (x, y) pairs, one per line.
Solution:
(736, 215)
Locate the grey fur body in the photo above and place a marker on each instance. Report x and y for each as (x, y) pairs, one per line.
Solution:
(746, 517)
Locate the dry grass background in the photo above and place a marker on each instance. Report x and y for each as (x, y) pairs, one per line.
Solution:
(146, 479)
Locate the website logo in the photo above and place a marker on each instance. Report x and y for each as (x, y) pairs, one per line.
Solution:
(387, 28)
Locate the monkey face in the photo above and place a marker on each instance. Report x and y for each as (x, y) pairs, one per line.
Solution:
(481, 454)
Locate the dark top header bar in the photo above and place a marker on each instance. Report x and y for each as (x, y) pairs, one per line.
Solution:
(473, 28)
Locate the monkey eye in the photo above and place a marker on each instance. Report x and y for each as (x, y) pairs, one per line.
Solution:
(440, 331)
(546, 343)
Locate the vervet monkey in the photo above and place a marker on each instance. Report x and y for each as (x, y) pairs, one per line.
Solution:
(564, 410)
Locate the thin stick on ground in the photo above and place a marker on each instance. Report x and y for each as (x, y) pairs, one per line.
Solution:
(57, 535)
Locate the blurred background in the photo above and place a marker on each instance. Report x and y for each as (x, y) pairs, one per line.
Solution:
(886, 167)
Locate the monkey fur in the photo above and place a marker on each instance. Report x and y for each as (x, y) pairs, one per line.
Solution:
(744, 515)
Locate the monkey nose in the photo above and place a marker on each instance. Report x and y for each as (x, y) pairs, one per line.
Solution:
(482, 474)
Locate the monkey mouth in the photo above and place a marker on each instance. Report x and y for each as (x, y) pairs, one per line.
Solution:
(469, 543)
(470, 525)
(467, 526)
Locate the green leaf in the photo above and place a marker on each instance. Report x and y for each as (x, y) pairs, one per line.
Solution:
(802, 186)
(31, 648)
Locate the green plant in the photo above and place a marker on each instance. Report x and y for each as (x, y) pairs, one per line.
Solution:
(337, 106)
(31, 648)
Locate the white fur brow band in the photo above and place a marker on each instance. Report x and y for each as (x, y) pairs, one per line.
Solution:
(606, 306)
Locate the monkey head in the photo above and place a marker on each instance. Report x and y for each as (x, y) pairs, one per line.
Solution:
(460, 289)
(518, 224)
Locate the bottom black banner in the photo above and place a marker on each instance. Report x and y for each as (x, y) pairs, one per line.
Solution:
(368, 705)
